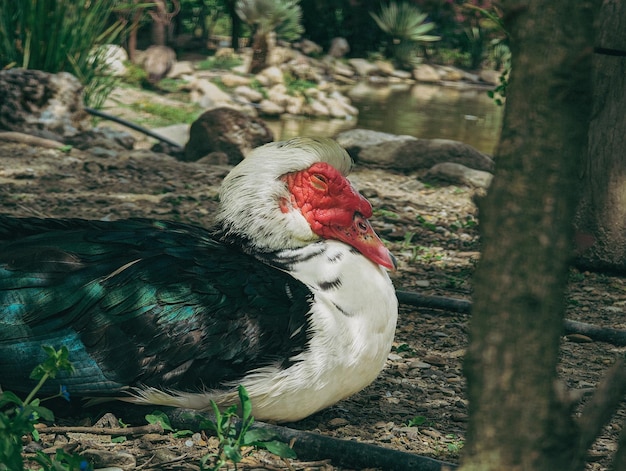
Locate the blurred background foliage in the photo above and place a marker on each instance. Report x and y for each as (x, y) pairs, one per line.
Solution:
(65, 35)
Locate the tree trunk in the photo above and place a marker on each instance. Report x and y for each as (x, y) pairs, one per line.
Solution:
(235, 22)
(517, 419)
(260, 52)
(601, 221)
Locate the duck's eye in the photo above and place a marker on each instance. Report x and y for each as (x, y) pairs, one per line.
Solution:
(319, 181)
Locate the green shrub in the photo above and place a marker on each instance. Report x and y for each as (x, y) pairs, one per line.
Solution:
(406, 27)
(61, 35)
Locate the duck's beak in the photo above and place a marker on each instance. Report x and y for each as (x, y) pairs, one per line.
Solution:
(362, 237)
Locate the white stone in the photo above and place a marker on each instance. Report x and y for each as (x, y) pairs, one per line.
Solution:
(272, 75)
(114, 57)
(248, 94)
(316, 108)
(295, 105)
(426, 73)
(234, 80)
(269, 108)
(207, 94)
(363, 67)
(181, 69)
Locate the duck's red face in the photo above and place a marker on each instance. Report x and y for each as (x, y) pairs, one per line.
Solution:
(335, 210)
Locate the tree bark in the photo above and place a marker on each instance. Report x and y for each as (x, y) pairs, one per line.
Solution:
(517, 418)
(601, 221)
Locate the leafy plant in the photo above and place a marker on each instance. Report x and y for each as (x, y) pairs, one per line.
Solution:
(407, 27)
(234, 434)
(18, 417)
(61, 35)
(297, 86)
(415, 421)
(498, 94)
(264, 16)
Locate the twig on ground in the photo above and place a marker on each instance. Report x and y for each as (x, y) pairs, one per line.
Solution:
(21, 138)
(139, 430)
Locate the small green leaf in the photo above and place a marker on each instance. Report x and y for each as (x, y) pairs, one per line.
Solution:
(182, 433)
(233, 453)
(120, 439)
(254, 436)
(246, 404)
(159, 417)
(279, 449)
(7, 397)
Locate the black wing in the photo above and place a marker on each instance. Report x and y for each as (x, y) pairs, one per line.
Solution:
(141, 302)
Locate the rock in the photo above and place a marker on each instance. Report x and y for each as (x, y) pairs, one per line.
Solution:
(309, 48)
(339, 68)
(402, 74)
(316, 108)
(103, 137)
(363, 67)
(225, 130)
(42, 104)
(281, 55)
(234, 80)
(385, 67)
(460, 174)
(271, 76)
(208, 95)
(408, 153)
(246, 93)
(106, 458)
(426, 73)
(491, 77)
(354, 140)
(278, 95)
(179, 133)
(157, 61)
(114, 57)
(295, 105)
(339, 47)
(270, 108)
(181, 69)
(451, 74)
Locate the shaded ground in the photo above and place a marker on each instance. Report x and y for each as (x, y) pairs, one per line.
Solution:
(418, 403)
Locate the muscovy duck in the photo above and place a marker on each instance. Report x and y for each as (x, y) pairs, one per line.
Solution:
(288, 294)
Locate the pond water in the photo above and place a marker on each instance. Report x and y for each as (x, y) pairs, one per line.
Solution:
(423, 111)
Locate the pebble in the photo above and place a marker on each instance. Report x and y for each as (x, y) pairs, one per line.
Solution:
(578, 338)
(337, 422)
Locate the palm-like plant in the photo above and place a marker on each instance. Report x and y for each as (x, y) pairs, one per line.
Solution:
(266, 16)
(407, 27)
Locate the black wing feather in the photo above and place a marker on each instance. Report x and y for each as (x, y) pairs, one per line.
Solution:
(140, 302)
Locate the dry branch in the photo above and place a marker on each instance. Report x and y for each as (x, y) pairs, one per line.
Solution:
(140, 430)
(21, 138)
(594, 332)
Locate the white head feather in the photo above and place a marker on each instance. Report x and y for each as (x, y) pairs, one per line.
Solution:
(251, 193)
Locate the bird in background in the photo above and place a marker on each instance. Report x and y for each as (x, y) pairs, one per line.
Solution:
(287, 294)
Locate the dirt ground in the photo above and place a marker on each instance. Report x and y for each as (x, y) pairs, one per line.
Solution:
(418, 403)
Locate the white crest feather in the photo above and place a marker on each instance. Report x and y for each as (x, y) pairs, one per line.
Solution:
(251, 192)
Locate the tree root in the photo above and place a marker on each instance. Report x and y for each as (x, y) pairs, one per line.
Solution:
(601, 334)
(311, 446)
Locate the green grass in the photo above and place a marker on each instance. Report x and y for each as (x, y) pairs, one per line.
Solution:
(221, 62)
(164, 115)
